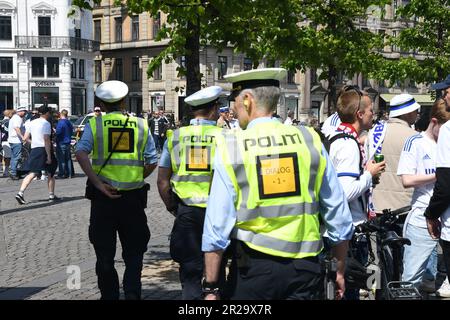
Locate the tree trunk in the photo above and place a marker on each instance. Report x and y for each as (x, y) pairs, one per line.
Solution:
(331, 89)
(193, 79)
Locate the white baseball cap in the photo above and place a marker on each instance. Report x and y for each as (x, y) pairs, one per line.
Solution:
(111, 91)
(402, 104)
(203, 98)
(255, 78)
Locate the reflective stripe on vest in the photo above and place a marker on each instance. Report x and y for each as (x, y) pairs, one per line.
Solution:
(276, 244)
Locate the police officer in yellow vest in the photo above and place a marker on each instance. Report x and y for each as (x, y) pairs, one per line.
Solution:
(123, 155)
(271, 182)
(184, 176)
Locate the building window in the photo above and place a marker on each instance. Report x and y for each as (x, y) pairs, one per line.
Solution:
(118, 24)
(291, 77)
(73, 70)
(156, 24)
(6, 65)
(135, 70)
(5, 28)
(98, 30)
(394, 47)
(223, 65)
(44, 26)
(119, 69)
(135, 28)
(37, 66)
(98, 71)
(6, 98)
(248, 64)
(53, 67)
(157, 74)
(81, 69)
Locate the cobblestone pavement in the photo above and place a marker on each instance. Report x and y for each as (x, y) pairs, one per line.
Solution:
(40, 240)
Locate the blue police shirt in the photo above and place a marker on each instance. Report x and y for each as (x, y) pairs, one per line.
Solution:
(86, 143)
(165, 161)
(220, 217)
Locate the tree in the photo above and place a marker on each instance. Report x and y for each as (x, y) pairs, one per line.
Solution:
(424, 42)
(328, 36)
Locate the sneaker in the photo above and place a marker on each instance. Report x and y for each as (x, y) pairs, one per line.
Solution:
(43, 178)
(444, 290)
(20, 199)
(428, 286)
(53, 198)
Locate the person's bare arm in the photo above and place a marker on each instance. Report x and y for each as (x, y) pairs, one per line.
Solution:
(339, 252)
(47, 144)
(148, 169)
(213, 261)
(417, 180)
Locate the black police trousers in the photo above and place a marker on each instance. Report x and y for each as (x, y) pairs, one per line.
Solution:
(186, 249)
(125, 216)
(265, 277)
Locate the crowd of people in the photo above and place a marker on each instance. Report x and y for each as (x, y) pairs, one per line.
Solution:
(262, 195)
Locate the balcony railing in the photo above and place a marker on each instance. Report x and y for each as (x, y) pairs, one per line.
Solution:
(48, 42)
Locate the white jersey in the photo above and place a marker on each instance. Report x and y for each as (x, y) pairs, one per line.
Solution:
(418, 157)
(345, 155)
(330, 125)
(443, 161)
(38, 128)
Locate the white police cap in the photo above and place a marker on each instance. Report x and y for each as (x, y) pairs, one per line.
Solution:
(203, 98)
(255, 78)
(402, 104)
(111, 91)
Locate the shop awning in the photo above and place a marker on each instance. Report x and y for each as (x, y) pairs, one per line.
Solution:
(424, 99)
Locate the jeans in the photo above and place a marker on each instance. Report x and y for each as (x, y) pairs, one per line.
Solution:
(64, 160)
(446, 252)
(156, 140)
(16, 154)
(420, 258)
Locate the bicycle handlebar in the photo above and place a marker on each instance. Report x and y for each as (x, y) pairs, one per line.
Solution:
(378, 223)
(400, 210)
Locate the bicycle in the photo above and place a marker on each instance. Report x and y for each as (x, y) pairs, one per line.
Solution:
(389, 251)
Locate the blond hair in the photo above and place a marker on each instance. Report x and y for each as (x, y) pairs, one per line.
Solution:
(9, 113)
(349, 102)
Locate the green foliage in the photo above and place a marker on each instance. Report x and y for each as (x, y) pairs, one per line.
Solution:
(426, 32)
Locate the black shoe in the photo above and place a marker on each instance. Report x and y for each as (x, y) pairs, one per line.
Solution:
(14, 177)
(20, 199)
(132, 296)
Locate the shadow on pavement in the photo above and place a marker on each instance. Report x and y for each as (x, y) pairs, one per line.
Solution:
(20, 293)
(36, 204)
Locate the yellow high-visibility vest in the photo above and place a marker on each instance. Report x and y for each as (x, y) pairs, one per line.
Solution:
(277, 172)
(192, 150)
(125, 169)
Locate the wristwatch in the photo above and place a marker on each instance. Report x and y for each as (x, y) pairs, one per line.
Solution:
(210, 287)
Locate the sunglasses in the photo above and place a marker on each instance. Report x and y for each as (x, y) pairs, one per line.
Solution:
(97, 111)
(357, 90)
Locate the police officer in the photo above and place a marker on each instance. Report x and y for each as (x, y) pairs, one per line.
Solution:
(184, 176)
(271, 182)
(123, 155)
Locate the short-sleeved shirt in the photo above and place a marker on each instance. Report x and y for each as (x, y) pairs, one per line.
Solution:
(443, 161)
(345, 155)
(15, 122)
(37, 129)
(418, 157)
(331, 124)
